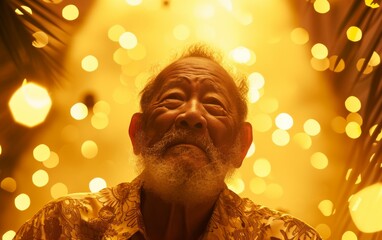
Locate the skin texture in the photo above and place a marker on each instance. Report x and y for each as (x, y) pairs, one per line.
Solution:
(194, 97)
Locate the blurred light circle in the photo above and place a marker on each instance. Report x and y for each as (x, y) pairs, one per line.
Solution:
(280, 137)
(353, 104)
(70, 12)
(284, 121)
(89, 149)
(58, 190)
(299, 36)
(8, 184)
(41, 152)
(324, 230)
(236, 185)
(319, 51)
(40, 178)
(115, 32)
(258, 185)
(97, 184)
(354, 34)
(89, 63)
(319, 160)
(9, 235)
(262, 167)
(79, 111)
(349, 235)
(312, 127)
(321, 6)
(128, 40)
(22, 202)
(365, 208)
(326, 207)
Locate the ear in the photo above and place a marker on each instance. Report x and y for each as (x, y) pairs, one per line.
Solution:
(246, 139)
(134, 128)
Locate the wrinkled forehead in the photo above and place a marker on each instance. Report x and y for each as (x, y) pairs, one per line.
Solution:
(198, 68)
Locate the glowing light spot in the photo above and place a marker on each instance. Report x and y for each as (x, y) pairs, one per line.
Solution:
(236, 185)
(22, 202)
(354, 117)
(375, 59)
(70, 12)
(299, 36)
(324, 230)
(280, 137)
(40, 178)
(133, 2)
(205, 11)
(89, 149)
(353, 130)
(121, 57)
(256, 80)
(319, 160)
(52, 161)
(257, 185)
(242, 55)
(100, 120)
(41, 152)
(349, 235)
(354, 34)
(227, 4)
(274, 191)
(353, 104)
(363, 66)
(58, 190)
(326, 207)
(128, 40)
(284, 121)
(9, 235)
(1, 149)
(263, 122)
(320, 64)
(115, 32)
(101, 107)
(321, 6)
(25, 8)
(137, 53)
(371, 4)
(89, 63)
(373, 129)
(251, 150)
(338, 124)
(366, 208)
(319, 51)
(8, 184)
(303, 140)
(336, 64)
(30, 104)
(41, 39)
(312, 127)
(269, 105)
(79, 111)
(97, 184)
(181, 32)
(262, 167)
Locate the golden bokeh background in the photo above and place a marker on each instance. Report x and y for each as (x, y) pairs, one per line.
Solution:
(68, 132)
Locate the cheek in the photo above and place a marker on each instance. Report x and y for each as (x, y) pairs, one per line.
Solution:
(222, 132)
(158, 123)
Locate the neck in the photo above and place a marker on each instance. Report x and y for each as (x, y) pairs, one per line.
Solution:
(174, 220)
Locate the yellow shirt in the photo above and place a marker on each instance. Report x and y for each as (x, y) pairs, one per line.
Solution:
(114, 213)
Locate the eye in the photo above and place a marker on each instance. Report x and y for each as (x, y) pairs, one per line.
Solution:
(172, 100)
(214, 106)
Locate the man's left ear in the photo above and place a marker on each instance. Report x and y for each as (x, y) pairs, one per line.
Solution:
(246, 139)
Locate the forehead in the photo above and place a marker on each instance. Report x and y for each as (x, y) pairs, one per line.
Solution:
(197, 68)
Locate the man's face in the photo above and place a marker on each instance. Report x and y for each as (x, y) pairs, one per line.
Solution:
(190, 140)
(195, 98)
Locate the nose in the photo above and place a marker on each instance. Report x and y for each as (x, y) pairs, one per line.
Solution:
(192, 117)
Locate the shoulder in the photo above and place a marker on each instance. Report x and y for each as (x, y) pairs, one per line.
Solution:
(268, 222)
(62, 216)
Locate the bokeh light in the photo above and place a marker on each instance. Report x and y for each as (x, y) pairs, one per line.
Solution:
(52, 161)
(354, 34)
(353, 104)
(312, 127)
(9, 235)
(319, 160)
(280, 137)
(30, 104)
(257, 185)
(8, 184)
(40, 178)
(128, 40)
(96, 184)
(89, 63)
(262, 167)
(41, 152)
(365, 208)
(284, 121)
(89, 149)
(22, 202)
(326, 207)
(349, 235)
(70, 12)
(41, 39)
(321, 6)
(353, 130)
(319, 51)
(299, 36)
(58, 190)
(79, 111)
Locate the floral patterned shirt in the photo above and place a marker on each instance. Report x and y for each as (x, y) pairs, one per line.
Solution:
(114, 213)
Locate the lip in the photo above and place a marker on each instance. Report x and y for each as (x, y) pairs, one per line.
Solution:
(200, 146)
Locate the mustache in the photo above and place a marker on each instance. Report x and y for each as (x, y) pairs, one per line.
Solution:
(180, 136)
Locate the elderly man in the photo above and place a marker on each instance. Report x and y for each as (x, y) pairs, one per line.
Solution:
(190, 135)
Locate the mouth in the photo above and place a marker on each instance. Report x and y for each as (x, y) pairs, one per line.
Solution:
(187, 143)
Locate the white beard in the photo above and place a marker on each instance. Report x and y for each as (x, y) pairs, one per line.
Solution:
(176, 179)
